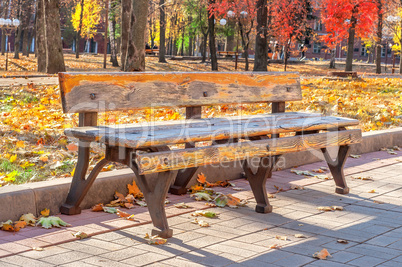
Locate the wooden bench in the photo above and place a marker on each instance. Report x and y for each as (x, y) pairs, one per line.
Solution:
(151, 51)
(145, 147)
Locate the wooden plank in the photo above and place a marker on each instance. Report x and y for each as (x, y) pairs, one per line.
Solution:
(98, 92)
(149, 135)
(186, 158)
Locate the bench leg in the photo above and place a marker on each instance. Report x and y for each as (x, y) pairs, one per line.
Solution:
(336, 168)
(258, 180)
(183, 178)
(155, 188)
(80, 186)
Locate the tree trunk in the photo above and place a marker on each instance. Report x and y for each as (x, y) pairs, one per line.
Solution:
(285, 56)
(25, 38)
(125, 28)
(400, 56)
(212, 46)
(332, 61)
(51, 37)
(230, 39)
(162, 32)
(379, 38)
(112, 38)
(40, 37)
(245, 44)
(18, 32)
(204, 47)
(78, 36)
(351, 41)
(261, 46)
(3, 35)
(135, 60)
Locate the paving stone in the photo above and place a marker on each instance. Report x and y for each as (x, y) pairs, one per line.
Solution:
(99, 261)
(391, 264)
(24, 261)
(78, 246)
(204, 241)
(216, 260)
(124, 253)
(367, 261)
(66, 257)
(6, 264)
(181, 263)
(383, 240)
(326, 263)
(145, 259)
(46, 252)
(344, 256)
(294, 260)
(77, 264)
(272, 256)
(233, 250)
(375, 251)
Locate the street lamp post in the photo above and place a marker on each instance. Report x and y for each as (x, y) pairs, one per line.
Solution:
(7, 26)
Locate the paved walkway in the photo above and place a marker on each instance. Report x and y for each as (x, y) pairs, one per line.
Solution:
(370, 222)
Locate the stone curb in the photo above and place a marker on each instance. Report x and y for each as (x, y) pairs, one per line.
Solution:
(16, 200)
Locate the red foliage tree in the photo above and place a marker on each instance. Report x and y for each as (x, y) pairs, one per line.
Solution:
(343, 19)
(289, 21)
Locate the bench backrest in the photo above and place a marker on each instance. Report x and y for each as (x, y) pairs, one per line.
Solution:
(98, 92)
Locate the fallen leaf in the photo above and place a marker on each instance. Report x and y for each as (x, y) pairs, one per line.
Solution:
(271, 195)
(300, 172)
(322, 255)
(280, 237)
(342, 241)
(221, 200)
(296, 187)
(13, 158)
(45, 212)
(119, 197)
(212, 205)
(201, 178)
(80, 235)
(233, 201)
(322, 177)
(141, 203)
(300, 236)
(204, 213)
(155, 240)
(129, 205)
(37, 248)
(182, 205)
(318, 170)
(49, 222)
(368, 178)
(238, 189)
(19, 225)
(110, 210)
(72, 147)
(196, 188)
(275, 246)
(44, 158)
(337, 207)
(134, 190)
(201, 196)
(200, 223)
(378, 202)
(300, 224)
(97, 207)
(29, 218)
(324, 208)
(371, 191)
(355, 156)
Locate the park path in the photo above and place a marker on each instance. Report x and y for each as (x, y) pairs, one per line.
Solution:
(371, 223)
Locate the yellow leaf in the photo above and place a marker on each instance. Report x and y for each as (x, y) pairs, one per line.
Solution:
(13, 158)
(20, 144)
(45, 212)
(72, 172)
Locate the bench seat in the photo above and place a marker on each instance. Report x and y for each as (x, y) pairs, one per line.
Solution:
(162, 133)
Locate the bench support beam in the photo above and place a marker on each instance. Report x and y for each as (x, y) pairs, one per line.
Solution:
(155, 188)
(336, 168)
(258, 180)
(80, 186)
